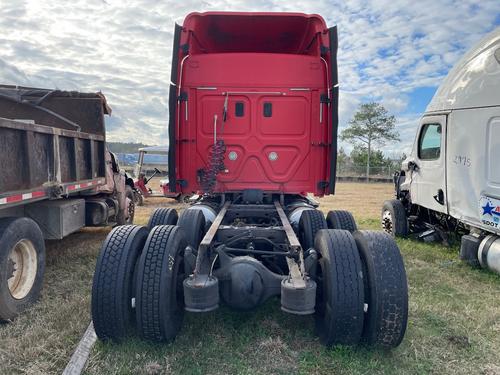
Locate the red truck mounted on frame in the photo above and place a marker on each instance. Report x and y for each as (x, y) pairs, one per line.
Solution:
(253, 129)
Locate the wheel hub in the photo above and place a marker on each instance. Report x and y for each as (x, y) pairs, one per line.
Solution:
(22, 269)
(11, 268)
(387, 221)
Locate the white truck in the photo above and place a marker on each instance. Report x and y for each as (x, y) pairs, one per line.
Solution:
(451, 180)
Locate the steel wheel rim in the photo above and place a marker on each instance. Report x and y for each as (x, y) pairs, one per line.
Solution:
(23, 259)
(387, 224)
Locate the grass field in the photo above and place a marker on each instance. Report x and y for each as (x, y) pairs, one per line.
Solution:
(454, 319)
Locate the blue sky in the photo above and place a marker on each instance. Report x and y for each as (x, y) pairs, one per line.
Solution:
(391, 51)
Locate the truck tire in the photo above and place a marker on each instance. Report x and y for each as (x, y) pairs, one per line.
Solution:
(126, 216)
(113, 284)
(162, 216)
(138, 198)
(394, 220)
(340, 290)
(338, 219)
(22, 265)
(160, 294)
(311, 221)
(192, 221)
(129, 193)
(386, 289)
(183, 198)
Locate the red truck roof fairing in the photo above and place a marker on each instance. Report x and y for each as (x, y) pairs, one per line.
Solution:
(253, 32)
(265, 84)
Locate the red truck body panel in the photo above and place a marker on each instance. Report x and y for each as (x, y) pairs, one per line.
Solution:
(265, 84)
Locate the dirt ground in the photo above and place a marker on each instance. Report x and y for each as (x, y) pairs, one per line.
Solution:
(454, 322)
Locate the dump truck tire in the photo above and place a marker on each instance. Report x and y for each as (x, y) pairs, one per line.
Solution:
(394, 220)
(126, 215)
(386, 289)
(129, 193)
(338, 219)
(162, 216)
(22, 265)
(160, 296)
(340, 290)
(113, 285)
(193, 223)
(311, 221)
(139, 199)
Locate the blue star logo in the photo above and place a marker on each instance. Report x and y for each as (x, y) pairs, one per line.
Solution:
(488, 209)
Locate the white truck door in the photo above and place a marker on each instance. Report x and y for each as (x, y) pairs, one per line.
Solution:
(429, 177)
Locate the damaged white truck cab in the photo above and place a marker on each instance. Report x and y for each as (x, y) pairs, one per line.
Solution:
(451, 180)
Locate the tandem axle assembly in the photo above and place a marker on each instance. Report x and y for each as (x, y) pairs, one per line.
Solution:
(227, 250)
(243, 281)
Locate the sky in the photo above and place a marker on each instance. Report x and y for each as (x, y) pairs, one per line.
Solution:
(390, 51)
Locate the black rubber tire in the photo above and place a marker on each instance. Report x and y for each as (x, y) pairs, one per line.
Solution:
(129, 193)
(340, 290)
(162, 216)
(399, 223)
(311, 221)
(193, 223)
(183, 198)
(386, 289)
(338, 219)
(125, 216)
(13, 230)
(139, 199)
(113, 284)
(160, 295)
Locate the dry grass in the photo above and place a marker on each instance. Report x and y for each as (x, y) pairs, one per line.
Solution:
(42, 340)
(363, 200)
(454, 323)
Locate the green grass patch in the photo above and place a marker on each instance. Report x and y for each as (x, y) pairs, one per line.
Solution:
(453, 326)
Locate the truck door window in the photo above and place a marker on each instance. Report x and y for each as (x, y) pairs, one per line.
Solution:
(429, 143)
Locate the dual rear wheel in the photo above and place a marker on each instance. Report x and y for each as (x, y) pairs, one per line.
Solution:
(137, 285)
(362, 293)
(311, 221)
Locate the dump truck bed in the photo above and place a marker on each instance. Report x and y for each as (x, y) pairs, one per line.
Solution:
(52, 143)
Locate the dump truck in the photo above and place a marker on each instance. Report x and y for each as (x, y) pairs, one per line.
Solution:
(56, 177)
(450, 182)
(253, 118)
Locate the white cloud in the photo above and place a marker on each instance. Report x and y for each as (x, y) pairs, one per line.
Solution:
(387, 49)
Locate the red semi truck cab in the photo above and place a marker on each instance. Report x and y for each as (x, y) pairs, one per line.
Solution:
(253, 124)
(253, 104)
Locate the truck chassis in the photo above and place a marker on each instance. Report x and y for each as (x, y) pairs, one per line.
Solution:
(242, 249)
